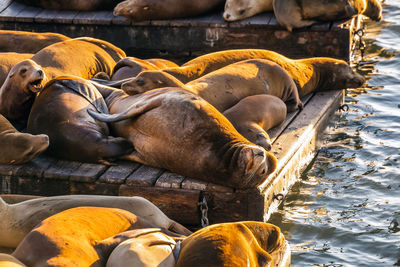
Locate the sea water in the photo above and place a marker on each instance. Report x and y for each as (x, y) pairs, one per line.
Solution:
(345, 210)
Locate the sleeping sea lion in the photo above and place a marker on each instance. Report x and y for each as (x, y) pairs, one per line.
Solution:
(20, 218)
(309, 74)
(9, 60)
(241, 9)
(226, 86)
(174, 129)
(60, 112)
(129, 67)
(73, 237)
(82, 57)
(162, 63)
(27, 42)
(254, 115)
(302, 13)
(18, 148)
(138, 10)
(19, 90)
(233, 244)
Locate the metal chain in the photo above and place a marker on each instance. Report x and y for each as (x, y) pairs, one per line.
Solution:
(204, 209)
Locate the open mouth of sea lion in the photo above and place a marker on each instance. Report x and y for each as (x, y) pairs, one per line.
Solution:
(36, 85)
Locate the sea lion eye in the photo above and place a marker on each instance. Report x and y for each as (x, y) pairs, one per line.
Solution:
(241, 11)
(140, 82)
(22, 71)
(146, 8)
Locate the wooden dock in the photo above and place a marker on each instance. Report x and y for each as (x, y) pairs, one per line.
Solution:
(183, 39)
(183, 199)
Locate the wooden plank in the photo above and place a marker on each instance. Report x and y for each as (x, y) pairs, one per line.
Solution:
(169, 180)
(41, 187)
(61, 170)
(144, 176)
(36, 167)
(189, 183)
(117, 174)
(93, 188)
(219, 188)
(179, 205)
(120, 20)
(259, 20)
(94, 17)
(27, 14)
(11, 11)
(297, 145)
(46, 16)
(87, 172)
(4, 4)
(65, 16)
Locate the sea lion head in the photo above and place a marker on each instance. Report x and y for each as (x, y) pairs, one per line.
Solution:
(21, 147)
(27, 75)
(240, 9)
(149, 80)
(137, 10)
(269, 236)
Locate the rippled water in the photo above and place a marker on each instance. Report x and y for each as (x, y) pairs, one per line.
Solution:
(345, 211)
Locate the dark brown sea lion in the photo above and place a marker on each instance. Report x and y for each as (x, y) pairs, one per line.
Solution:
(301, 13)
(174, 129)
(60, 112)
(225, 87)
(16, 147)
(19, 90)
(254, 115)
(9, 60)
(233, 244)
(78, 5)
(130, 67)
(20, 218)
(309, 74)
(73, 237)
(82, 57)
(27, 42)
(138, 10)
(241, 9)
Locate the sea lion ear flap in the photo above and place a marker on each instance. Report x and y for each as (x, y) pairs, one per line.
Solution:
(272, 163)
(12, 72)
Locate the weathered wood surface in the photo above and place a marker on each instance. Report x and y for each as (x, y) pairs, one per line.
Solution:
(182, 39)
(178, 196)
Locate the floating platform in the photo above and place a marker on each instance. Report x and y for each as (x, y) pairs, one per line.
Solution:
(186, 200)
(183, 39)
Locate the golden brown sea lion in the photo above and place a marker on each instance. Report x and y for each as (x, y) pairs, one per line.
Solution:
(60, 112)
(302, 13)
(9, 60)
(82, 57)
(254, 115)
(138, 10)
(16, 147)
(73, 237)
(309, 74)
(144, 249)
(78, 5)
(129, 67)
(174, 129)
(162, 63)
(27, 42)
(7, 260)
(19, 90)
(241, 9)
(233, 244)
(20, 218)
(225, 87)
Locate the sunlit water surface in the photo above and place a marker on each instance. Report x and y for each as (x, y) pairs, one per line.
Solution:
(345, 211)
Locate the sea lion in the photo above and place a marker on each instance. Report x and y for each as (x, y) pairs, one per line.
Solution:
(73, 237)
(309, 74)
(254, 115)
(302, 13)
(9, 60)
(174, 129)
(77, 5)
(27, 42)
(20, 218)
(233, 244)
(19, 90)
(241, 9)
(82, 57)
(16, 147)
(60, 112)
(226, 86)
(7, 260)
(162, 63)
(138, 10)
(144, 249)
(129, 67)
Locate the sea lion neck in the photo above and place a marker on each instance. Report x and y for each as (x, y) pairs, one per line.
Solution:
(109, 94)
(310, 73)
(185, 74)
